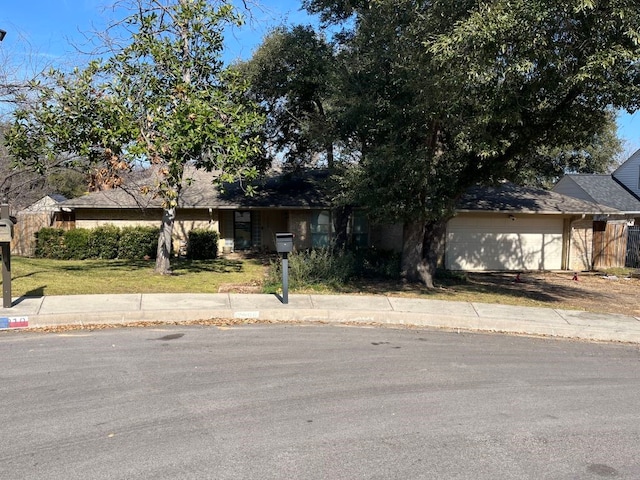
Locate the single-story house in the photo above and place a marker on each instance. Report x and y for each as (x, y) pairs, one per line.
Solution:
(619, 190)
(500, 228)
(296, 203)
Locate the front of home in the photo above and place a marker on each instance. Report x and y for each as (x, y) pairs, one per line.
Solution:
(282, 203)
(505, 227)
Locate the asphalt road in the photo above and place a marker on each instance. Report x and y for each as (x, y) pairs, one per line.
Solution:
(315, 402)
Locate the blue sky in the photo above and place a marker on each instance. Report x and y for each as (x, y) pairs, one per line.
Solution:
(40, 32)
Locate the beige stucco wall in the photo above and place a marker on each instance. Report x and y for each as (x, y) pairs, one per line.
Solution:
(272, 222)
(299, 225)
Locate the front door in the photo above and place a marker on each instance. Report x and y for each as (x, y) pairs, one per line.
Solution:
(242, 230)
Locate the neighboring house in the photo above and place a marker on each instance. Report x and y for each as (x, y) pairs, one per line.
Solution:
(500, 228)
(46, 212)
(516, 228)
(619, 190)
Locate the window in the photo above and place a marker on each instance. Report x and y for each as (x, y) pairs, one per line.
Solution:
(320, 228)
(360, 229)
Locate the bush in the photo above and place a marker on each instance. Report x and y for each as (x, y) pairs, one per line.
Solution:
(326, 267)
(202, 244)
(138, 242)
(77, 244)
(50, 243)
(104, 242)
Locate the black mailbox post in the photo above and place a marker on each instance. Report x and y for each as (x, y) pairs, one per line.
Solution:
(6, 235)
(284, 245)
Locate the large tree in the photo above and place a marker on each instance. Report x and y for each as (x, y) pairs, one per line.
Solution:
(292, 75)
(161, 98)
(446, 95)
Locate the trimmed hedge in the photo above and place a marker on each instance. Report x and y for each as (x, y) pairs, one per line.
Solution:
(50, 243)
(202, 244)
(106, 242)
(138, 242)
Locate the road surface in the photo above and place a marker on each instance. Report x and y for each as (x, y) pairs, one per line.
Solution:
(315, 402)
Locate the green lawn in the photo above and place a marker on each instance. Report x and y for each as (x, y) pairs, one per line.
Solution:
(36, 277)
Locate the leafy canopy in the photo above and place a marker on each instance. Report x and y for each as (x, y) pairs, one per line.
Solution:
(164, 99)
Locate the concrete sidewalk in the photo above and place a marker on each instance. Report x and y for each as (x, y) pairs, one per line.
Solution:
(482, 317)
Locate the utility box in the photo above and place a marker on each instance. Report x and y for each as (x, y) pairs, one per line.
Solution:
(6, 230)
(284, 242)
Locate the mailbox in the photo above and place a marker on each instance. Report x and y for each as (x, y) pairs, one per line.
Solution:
(6, 230)
(284, 242)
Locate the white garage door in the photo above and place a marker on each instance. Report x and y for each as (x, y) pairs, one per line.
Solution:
(499, 243)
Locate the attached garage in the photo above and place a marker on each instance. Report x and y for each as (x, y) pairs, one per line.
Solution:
(504, 242)
(508, 227)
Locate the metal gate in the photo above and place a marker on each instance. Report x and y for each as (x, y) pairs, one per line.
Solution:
(633, 247)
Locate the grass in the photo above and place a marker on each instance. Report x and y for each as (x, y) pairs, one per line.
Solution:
(37, 277)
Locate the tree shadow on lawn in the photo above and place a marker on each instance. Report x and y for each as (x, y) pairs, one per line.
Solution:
(178, 266)
(457, 286)
(218, 265)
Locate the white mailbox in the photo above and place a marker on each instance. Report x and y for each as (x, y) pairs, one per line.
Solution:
(6, 230)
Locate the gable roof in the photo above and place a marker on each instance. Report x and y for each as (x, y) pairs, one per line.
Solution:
(605, 190)
(308, 189)
(508, 197)
(302, 190)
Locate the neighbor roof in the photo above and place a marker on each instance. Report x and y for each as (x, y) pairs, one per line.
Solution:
(605, 190)
(508, 197)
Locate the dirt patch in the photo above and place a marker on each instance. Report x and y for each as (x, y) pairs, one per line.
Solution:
(593, 292)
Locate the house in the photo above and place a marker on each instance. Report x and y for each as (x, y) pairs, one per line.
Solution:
(620, 190)
(500, 228)
(296, 203)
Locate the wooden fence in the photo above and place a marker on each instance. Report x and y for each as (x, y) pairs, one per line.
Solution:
(29, 223)
(609, 244)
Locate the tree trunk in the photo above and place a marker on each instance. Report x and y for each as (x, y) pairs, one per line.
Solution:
(423, 243)
(342, 215)
(163, 256)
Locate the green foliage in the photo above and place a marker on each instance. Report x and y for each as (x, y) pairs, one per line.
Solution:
(442, 95)
(50, 243)
(164, 97)
(292, 74)
(78, 244)
(138, 242)
(104, 242)
(202, 244)
(331, 268)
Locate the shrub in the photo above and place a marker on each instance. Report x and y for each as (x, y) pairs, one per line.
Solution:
(202, 244)
(50, 243)
(138, 242)
(104, 242)
(77, 244)
(331, 268)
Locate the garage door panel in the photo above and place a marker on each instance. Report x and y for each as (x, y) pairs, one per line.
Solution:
(501, 244)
